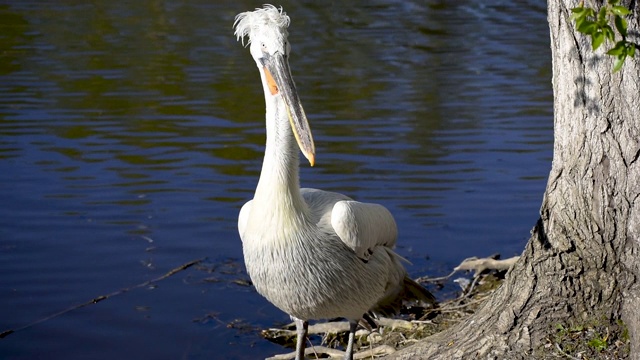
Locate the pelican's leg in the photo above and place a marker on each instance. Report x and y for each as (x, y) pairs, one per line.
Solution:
(301, 330)
(353, 324)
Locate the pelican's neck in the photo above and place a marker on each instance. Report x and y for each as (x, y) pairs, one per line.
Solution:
(279, 185)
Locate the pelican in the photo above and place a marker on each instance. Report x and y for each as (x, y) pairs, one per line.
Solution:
(313, 254)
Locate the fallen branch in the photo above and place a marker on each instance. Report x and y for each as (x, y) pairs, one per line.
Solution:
(333, 353)
(336, 327)
(97, 299)
(452, 308)
(478, 265)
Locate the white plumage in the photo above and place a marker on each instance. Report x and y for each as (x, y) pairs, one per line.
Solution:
(363, 227)
(314, 254)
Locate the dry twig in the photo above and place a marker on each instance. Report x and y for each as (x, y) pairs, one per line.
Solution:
(97, 299)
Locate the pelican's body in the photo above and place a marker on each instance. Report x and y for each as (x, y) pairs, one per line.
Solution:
(313, 254)
(301, 264)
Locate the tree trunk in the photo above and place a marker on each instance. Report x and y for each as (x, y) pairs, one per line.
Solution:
(582, 262)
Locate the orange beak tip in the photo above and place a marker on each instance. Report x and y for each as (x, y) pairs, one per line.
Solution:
(273, 87)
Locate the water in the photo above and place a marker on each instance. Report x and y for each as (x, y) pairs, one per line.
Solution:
(131, 134)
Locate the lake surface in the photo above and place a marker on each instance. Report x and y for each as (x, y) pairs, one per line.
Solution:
(132, 133)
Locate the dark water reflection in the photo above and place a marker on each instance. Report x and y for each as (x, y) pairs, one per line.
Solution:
(132, 133)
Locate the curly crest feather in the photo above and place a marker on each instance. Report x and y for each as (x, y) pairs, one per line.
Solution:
(267, 19)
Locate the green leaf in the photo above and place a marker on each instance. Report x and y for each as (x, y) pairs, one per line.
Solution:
(597, 40)
(608, 32)
(597, 25)
(578, 10)
(618, 49)
(620, 10)
(619, 62)
(598, 344)
(621, 25)
(581, 13)
(587, 27)
(602, 15)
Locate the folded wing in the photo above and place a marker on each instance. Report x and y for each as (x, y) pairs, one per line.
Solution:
(363, 226)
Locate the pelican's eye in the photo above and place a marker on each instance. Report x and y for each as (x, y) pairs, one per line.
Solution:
(264, 47)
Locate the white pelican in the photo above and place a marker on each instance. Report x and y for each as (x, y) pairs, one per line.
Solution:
(314, 254)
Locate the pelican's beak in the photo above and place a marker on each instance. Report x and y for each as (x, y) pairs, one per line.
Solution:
(279, 81)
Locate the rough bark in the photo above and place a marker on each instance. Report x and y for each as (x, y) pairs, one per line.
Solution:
(582, 261)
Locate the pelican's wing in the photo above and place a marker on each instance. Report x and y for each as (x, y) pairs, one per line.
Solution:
(363, 226)
(243, 217)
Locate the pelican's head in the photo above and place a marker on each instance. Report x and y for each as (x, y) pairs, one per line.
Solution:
(267, 32)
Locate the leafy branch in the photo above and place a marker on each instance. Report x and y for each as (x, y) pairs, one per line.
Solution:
(597, 25)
